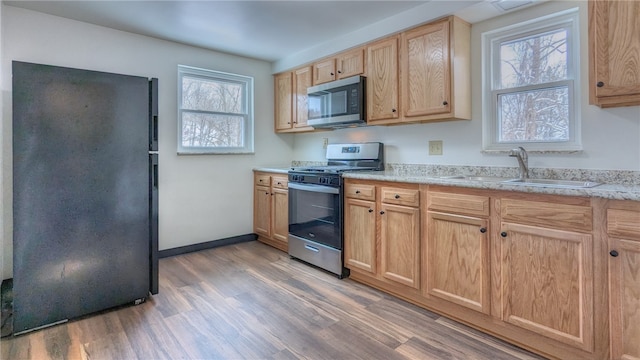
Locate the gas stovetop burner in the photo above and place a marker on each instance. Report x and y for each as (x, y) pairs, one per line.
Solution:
(332, 169)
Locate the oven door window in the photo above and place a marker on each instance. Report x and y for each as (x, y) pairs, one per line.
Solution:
(315, 216)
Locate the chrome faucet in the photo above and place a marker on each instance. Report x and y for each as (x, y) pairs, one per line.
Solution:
(521, 154)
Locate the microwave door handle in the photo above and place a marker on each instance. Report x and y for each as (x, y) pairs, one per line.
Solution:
(315, 188)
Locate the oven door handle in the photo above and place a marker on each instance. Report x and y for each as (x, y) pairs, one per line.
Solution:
(315, 188)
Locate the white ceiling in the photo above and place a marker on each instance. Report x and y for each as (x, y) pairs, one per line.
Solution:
(268, 30)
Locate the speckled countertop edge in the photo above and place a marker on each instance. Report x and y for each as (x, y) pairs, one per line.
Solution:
(617, 184)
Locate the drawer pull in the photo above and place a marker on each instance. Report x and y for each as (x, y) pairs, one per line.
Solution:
(370, 210)
(314, 249)
(483, 230)
(613, 253)
(357, 191)
(397, 196)
(381, 212)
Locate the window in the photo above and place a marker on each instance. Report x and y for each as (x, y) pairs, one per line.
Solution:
(531, 85)
(215, 112)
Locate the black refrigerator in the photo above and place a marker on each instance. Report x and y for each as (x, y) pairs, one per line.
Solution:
(85, 192)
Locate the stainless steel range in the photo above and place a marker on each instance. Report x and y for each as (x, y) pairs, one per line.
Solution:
(315, 204)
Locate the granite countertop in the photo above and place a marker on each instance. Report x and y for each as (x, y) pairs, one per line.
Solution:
(607, 191)
(616, 184)
(273, 169)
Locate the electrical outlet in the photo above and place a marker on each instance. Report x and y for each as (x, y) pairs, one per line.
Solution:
(435, 147)
(325, 142)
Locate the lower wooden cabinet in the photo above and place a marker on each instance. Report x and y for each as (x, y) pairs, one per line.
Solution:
(382, 233)
(528, 268)
(623, 229)
(271, 209)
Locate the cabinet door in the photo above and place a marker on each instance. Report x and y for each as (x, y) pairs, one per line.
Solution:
(400, 244)
(302, 79)
(324, 71)
(262, 211)
(614, 37)
(350, 63)
(547, 282)
(426, 71)
(382, 80)
(360, 235)
(458, 260)
(284, 101)
(623, 227)
(280, 215)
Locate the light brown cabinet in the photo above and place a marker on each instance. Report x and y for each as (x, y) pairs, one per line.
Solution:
(271, 209)
(283, 93)
(382, 81)
(301, 80)
(456, 254)
(546, 270)
(343, 65)
(435, 68)
(529, 268)
(614, 47)
(623, 229)
(392, 253)
(291, 102)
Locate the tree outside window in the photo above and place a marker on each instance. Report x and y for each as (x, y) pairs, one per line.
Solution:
(215, 112)
(531, 78)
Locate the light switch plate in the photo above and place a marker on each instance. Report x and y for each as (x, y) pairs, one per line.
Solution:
(435, 147)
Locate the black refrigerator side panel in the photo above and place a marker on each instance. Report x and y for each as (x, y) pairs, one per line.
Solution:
(153, 230)
(80, 192)
(153, 114)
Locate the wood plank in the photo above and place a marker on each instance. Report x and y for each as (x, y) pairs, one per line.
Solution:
(252, 301)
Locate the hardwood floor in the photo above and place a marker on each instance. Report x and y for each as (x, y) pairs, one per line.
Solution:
(250, 301)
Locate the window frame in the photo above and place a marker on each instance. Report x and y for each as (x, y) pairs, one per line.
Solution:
(248, 110)
(491, 82)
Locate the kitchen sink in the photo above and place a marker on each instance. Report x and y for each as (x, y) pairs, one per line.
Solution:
(476, 178)
(570, 184)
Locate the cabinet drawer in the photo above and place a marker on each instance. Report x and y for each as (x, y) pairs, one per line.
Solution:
(407, 197)
(280, 182)
(359, 191)
(458, 203)
(623, 223)
(263, 179)
(549, 215)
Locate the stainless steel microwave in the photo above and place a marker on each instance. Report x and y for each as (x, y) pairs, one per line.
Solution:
(337, 104)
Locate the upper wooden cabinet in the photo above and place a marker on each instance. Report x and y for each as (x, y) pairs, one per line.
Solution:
(614, 53)
(301, 81)
(382, 81)
(435, 68)
(291, 102)
(283, 101)
(346, 64)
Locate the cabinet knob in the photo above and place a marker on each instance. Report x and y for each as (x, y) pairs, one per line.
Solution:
(483, 230)
(279, 183)
(332, 74)
(503, 234)
(445, 103)
(357, 191)
(393, 110)
(267, 193)
(381, 212)
(260, 180)
(397, 196)
(600, 84)
(613, 253)
(339, 71)
(370, 210)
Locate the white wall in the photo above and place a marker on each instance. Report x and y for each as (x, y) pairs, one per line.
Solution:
(202, 197)
(611, 137)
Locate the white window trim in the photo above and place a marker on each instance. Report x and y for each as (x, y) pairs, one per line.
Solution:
(248, 124)
(569, 20)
